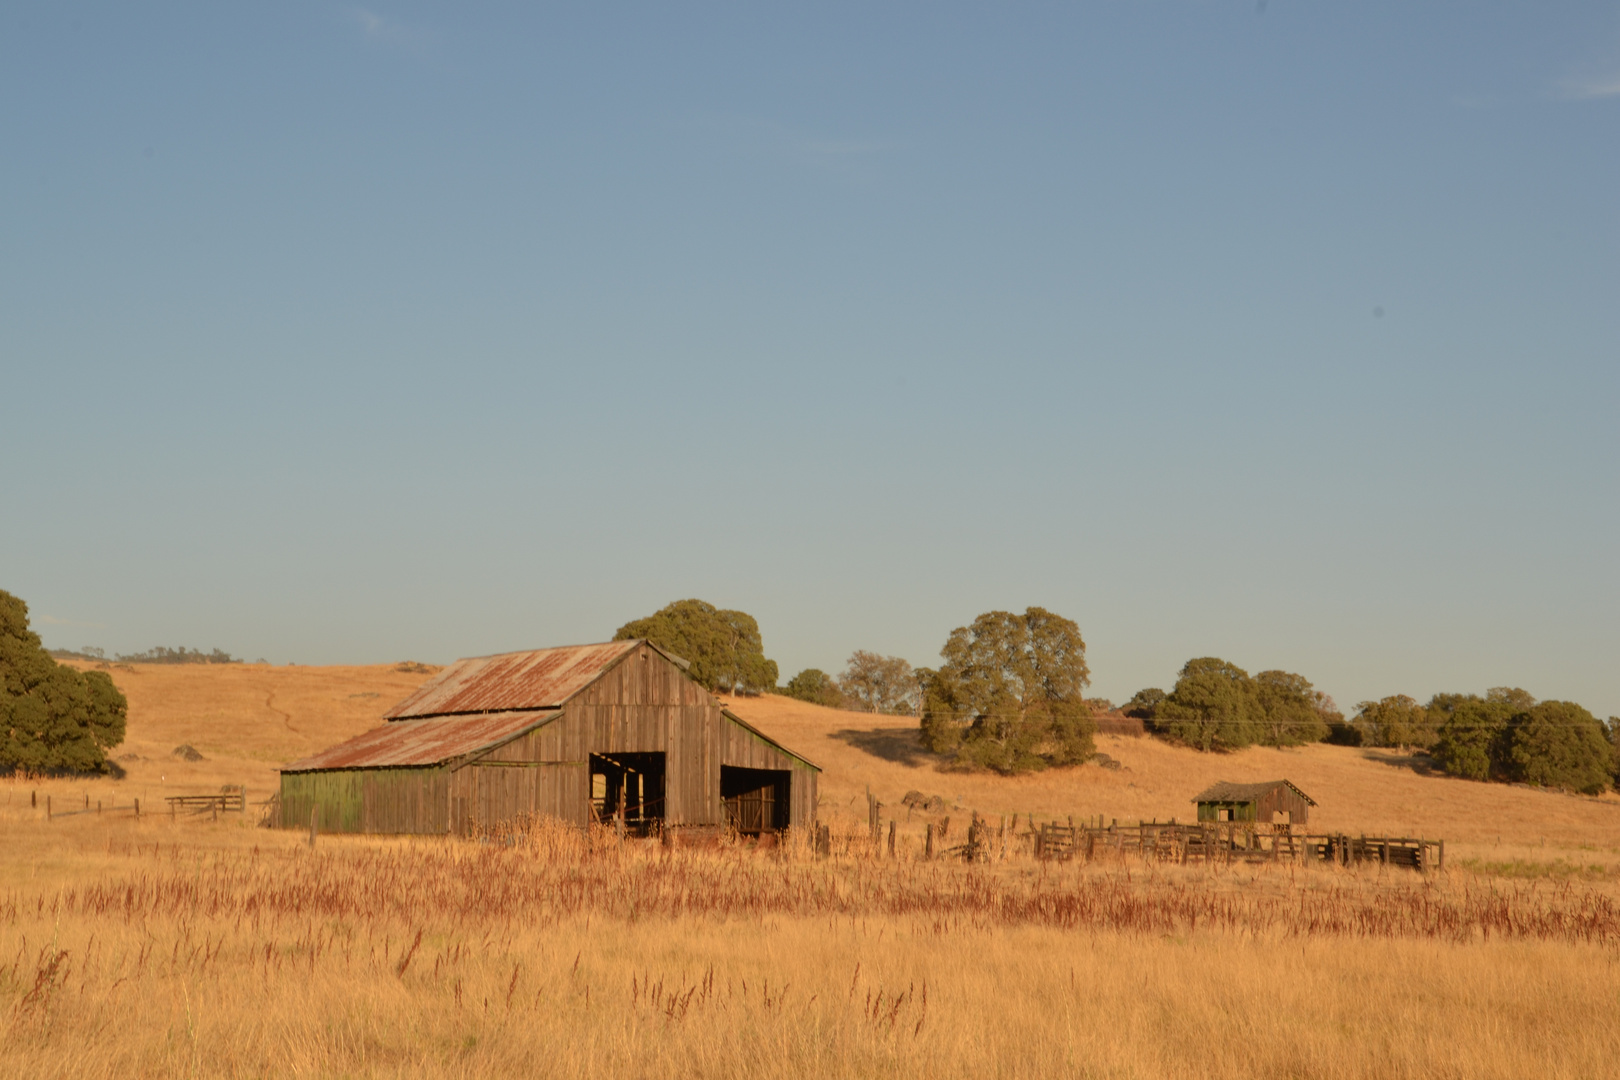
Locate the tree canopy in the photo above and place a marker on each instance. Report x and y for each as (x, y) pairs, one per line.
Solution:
(724, 647)
(53, 718)
(1560, 744)
(1010, 695)
(1213, 706)
(1144, 704)
(879, 684)
(815, 686)
(1292, 711)
(1396, 720)
(1471, 736)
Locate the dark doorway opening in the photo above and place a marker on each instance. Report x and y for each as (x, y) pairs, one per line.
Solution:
(630, 788)
(756, 800)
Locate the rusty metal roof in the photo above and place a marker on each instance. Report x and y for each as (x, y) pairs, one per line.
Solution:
(538, 679)
(428, 741)
(1226, 791)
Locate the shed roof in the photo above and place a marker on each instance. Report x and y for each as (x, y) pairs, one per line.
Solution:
(1226, 791)
(429, 741)
(536, 679)
(758, 734)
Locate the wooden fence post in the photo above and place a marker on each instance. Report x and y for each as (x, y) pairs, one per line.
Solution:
(33, 800)
(928, 848)
(47, 808)
(313, 810)
(891, 839)
(137, 808)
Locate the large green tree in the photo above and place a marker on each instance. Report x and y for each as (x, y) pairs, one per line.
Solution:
(1473, 734)
(1560, 744)
(1396, 720)
(724, 647)
(53, 718)
(1213, 706)
(1010, 695)
(1292, 710)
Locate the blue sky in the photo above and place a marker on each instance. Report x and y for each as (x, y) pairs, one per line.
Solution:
(1287, 333)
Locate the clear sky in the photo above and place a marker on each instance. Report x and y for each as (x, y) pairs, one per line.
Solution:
(1284, 332)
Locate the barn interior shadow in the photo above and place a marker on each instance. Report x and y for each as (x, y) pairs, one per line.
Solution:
(897, 744)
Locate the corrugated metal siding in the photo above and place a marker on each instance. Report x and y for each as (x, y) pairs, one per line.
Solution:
(537, 679)
(368, 800)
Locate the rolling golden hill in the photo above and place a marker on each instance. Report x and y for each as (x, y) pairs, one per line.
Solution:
(247, 720)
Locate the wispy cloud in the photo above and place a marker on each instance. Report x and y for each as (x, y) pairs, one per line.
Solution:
(1585, 89)
(386, 31)
(52, 620)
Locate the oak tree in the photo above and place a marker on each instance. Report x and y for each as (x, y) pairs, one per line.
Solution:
(879, 684)
(1010, 695)
(53, 718)
(724, 647)
(815, 686)
(1213, 706)
(1292, 710)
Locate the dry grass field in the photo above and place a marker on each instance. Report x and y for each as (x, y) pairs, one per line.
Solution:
(194, 947)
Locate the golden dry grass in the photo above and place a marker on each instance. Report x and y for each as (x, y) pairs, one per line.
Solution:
(160, 947)
(206, 949)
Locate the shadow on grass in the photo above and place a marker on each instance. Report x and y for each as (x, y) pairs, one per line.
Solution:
(897, 744)
(1418, 761)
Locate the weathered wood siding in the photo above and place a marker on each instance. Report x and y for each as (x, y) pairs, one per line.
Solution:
(743, 747)
(1284, 798)
(1261, 809)
(533, 774)
(368, 800)
(644, 703)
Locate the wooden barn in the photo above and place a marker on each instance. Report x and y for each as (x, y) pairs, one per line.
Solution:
(1270, 802)
(614, 732)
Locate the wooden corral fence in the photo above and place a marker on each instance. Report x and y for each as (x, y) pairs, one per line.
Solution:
(1233, 841)
(231, 797)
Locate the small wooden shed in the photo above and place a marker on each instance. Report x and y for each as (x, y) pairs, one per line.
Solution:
(1269, 802)
(610, 732)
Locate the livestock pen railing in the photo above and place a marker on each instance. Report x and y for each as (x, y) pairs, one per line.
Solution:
(1232, 842)
(228, 798)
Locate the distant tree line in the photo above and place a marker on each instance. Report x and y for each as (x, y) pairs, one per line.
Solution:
(157, 654)
(53, 718)
(1506, 735)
